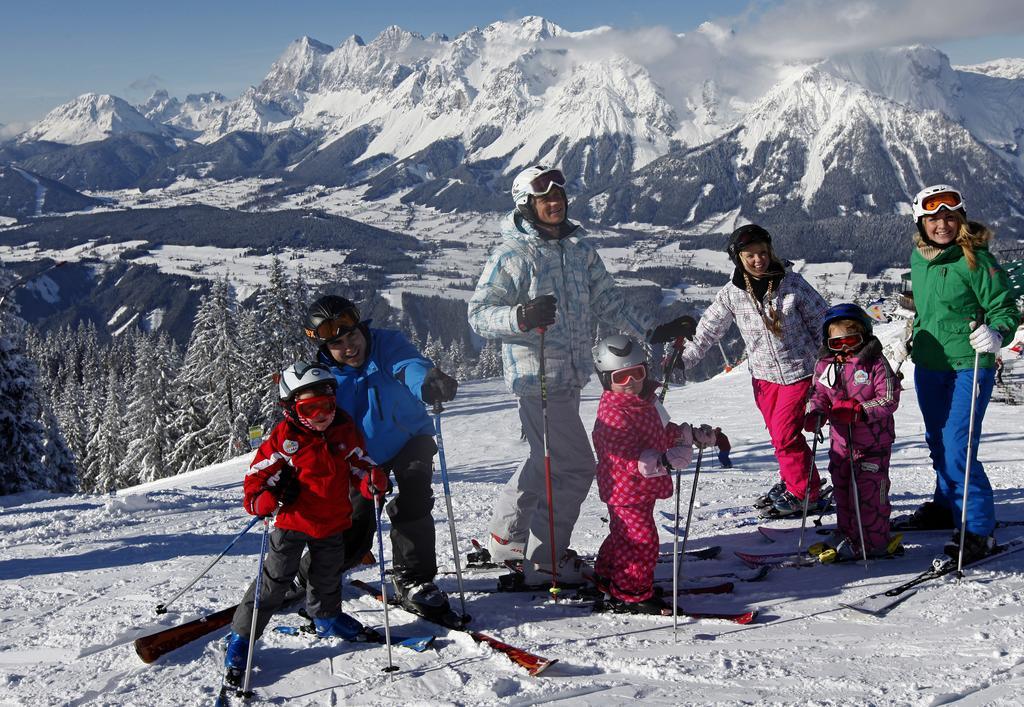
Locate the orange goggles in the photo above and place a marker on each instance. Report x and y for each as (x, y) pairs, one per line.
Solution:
(329, 330)
(311, 408)
(625, 375)
(947, 199)
(845, 343)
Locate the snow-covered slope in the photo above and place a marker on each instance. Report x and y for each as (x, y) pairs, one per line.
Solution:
(88, 118)
(80, 576)
(1000, 68)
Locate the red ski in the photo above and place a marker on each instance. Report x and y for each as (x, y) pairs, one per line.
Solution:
(160, 643)
(534, 664)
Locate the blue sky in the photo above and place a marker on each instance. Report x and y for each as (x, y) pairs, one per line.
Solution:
(53, 51)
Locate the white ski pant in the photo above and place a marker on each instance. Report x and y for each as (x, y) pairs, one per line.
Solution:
(521, 510)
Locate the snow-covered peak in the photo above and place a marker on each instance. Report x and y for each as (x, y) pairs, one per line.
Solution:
(88, 118)
(918, 77)
(298, 68)
(998, 68)
(528, 29)
(195, 114)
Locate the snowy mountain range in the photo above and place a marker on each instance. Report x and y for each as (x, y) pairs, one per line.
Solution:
(446, 122)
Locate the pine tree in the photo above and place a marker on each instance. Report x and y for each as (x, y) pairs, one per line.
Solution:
(24, 437)
(106, 448)
(151, 407)
(208, 384)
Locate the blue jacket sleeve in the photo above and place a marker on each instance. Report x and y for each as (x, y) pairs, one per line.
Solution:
(396, 355)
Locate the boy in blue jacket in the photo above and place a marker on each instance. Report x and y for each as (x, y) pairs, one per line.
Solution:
(383, 384)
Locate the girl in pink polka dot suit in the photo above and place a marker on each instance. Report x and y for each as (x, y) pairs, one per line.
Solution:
(635, 450)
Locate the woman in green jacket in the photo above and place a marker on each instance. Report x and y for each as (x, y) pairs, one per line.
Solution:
(964, 307)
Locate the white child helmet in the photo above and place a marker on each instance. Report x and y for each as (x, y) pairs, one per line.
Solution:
(303, 375)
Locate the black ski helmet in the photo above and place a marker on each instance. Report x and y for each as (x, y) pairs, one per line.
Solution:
(846, 310)
(330, 308)
(744, 236)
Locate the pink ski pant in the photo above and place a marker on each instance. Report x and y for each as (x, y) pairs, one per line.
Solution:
(630, 552)
(872, 473)
(783, 408)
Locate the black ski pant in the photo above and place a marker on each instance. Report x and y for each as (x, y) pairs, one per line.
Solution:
(414, 556)
(323, 569)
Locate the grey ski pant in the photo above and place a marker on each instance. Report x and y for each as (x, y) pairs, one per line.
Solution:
(521, 510)
(323, 585)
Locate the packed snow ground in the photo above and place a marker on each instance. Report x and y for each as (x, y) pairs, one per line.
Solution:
(80, 577)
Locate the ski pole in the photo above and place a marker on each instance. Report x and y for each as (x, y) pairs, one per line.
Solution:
(245, 691)
(807, 487)
(856, 496)
(676, 565)
(672, 362)
(378, 499)
(162, 608)
(967, 470)
(547, 467)
(728, 366)
(438, 409)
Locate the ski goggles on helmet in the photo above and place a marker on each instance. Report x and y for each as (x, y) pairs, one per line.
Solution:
(330, 329)
(539, 186)
(625, 375)
(845, 343)
(943, 200)
(314, 407)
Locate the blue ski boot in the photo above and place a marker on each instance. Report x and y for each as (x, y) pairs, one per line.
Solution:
(346, 627)
(236, 651)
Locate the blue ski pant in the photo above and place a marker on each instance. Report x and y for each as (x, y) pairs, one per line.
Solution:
(945, 401)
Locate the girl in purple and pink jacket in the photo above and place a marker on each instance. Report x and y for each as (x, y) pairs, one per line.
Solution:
(857, 392)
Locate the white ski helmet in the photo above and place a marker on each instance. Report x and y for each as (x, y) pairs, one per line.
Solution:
(938, 196)
(303, 375)
(614, 353)
(536, 181)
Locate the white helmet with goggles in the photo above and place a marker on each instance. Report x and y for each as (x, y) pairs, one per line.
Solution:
(536, 181)
(938, 196)
(303, 375)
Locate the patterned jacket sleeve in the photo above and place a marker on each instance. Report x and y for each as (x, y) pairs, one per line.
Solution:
(710, 329)
(608, 303)
(492, 308)
(887, 392)
(265, 470)
(819, 399)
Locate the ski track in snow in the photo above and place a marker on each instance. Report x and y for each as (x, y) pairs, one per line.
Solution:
(80, 577)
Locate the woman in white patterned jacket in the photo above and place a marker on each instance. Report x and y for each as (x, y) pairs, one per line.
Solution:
(779, 316)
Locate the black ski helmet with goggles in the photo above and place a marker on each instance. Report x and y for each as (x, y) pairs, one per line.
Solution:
(330, 318)
(745, 236)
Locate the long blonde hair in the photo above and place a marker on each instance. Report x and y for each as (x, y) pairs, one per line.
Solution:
(968, 240)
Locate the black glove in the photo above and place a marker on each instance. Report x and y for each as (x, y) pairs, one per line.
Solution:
(438, 387)
(538, 312)
(287, 487)
(684, 327)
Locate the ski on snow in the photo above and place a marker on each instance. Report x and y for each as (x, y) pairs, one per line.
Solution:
(416, 643)
(534, 664)
(880, 602)
(738, 617)
(782, 534)
(480, 559)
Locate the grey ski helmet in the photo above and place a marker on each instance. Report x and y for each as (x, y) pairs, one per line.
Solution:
(616, 352)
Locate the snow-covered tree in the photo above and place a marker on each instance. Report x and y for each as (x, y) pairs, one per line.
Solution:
(23, 466)
(106, 448)
(151, 408)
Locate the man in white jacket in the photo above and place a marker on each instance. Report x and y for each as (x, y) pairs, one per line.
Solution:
(545, 276)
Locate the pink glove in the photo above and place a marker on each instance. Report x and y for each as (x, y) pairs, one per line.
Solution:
(846, 412)
(704, 436)
(679, 457)
(649, 464)
(813, 421)
(685, 435)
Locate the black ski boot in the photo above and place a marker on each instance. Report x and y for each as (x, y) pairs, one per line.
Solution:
(929, 516)
(654, 606)
(767, 500)
(976, 547)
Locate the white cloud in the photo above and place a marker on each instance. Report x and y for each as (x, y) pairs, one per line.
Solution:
(9, 130)
(808, 29)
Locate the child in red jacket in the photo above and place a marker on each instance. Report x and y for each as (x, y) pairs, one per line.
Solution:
(304, 472)
(635, 450)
